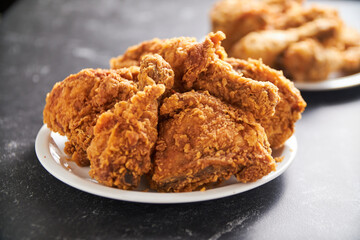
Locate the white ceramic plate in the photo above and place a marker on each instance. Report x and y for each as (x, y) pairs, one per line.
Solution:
(331, 84)
(49, 149)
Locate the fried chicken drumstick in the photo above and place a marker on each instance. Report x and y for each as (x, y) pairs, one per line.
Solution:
(204, 141)
(269, 44)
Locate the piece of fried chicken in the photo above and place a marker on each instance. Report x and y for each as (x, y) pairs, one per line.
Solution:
(281, 125)
(269, 44)
(201, 66)
(309, 60)
(237, 18)
(73, 105)
(124, 138)
(203, 141)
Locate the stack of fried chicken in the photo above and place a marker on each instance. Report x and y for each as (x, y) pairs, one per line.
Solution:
(177, 112)
(308, 44)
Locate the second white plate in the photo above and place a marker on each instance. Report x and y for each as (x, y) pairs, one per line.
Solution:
(331, 84)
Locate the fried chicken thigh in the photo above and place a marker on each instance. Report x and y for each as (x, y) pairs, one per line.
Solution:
(201, 66)
(203, 141)
(281, 125)
(73, 105)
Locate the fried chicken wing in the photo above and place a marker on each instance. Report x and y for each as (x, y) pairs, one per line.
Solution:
(201, 66)
(124, 138)
(203, 141)
(281, 125)
(73, 105)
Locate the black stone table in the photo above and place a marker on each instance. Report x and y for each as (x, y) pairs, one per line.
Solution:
(41, 42)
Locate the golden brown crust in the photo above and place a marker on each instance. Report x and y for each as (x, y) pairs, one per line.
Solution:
(73, 105)
(201, 66)
(204, 141)
(281, 125)
(124, 138)
(155, 70)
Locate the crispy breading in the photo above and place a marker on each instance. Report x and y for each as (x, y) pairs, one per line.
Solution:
(201, 66)
(203, 141)
(281, 125)
(237, 18)
(124, 138)
(73, 105)
(125, 135)
(309, 43)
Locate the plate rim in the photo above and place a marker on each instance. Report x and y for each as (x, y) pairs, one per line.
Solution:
(330, 84)
(42, 150)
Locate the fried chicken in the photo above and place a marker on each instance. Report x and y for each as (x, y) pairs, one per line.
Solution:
(301, 41)
(203, 141)
(217, 116)
(201, 66)
(124, 138)
(281, 125)
(125, 135)
(155, 70)
(269, 44)
(73, 105)
(309, 60)
(238, 18)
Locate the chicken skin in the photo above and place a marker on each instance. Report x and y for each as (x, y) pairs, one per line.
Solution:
(124, 138)
(281, 125)
(203, 141)
(201, 66)
(73, 105)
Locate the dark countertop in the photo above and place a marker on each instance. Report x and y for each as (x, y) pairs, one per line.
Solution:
(41, 42)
